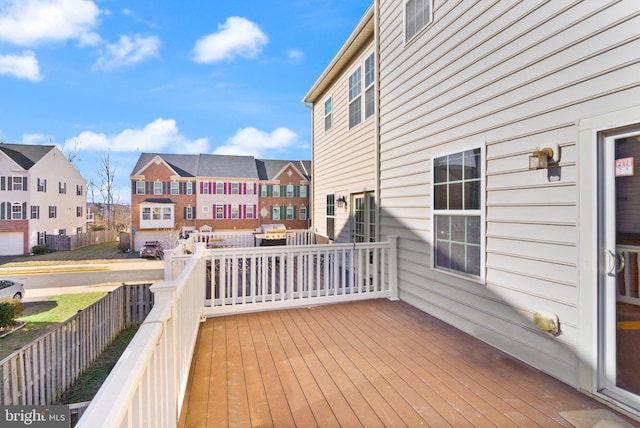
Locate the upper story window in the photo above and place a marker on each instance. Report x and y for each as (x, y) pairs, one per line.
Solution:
(235, 212)
(458, 189)
(355, 91)
(140, 187)
(303, 191)
(303, 213)
(250, 212)
(290, 213)
(35, 212)
(205, 187)
(290, 191)
(250, 189)
(62, 187)
(417, 15)
(16, 211)
(175, 188)
(327, 114)
(157, 188)
(189, 189)
(263, 190)
(220, 188)
(42, 185)
(276, 191)
(358, 85)
(369, 86)
(19, 183)
(53, 211)
(235, 188)
(219, 211)
(78, 189)
(78, 211)
(188, 213)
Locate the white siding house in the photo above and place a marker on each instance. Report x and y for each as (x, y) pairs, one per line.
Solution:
(343, 108)
(469, 93)
(51, 199)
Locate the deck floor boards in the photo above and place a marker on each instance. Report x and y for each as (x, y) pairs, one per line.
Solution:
(372, 363)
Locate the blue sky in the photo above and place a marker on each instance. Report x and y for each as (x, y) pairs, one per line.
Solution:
(124, 77)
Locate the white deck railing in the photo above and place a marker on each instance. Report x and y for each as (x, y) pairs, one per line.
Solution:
(241, 280)
(147, 386)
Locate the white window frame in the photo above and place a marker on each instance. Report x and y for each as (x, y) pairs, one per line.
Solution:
(369, 83)
(250, 189)
(78, 189)
(263, 190)
(303, 191)
(16, 211)
(140, 187)
(205, 187)
(220, 187)
(290, 191)
(157, 187)
(328, 113)
(480, 213)
(219, 214)
(189, 213)
(235, 212)
(354, 96)
(275, 212)
(289, 213)
(413, 33)
(174, 188)
(250, 214)
(53, 211)
(205, 209)
(189, 189)
(235, 188)
(303, 213)
(276, 190)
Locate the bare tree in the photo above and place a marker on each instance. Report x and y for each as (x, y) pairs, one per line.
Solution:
(107, 173)
(71, 154)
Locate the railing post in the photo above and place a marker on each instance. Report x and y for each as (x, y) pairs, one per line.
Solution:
(393, 268)
(168, 265)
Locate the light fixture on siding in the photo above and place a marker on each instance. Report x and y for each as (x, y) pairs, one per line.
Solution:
(342, 202)
(539, 159)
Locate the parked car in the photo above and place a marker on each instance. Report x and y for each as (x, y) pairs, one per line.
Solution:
(152, 250)
(11, 290)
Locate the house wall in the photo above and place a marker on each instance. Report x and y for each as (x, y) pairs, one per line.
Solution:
(344, 160)
(161, 172)
(55, 168)
(509, 77)
(211, 199)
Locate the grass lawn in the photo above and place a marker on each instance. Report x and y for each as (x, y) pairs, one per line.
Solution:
(107, 251)
(44, 316)
(87, 385)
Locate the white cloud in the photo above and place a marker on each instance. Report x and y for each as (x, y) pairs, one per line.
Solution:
(253, 142)
(128, 51)
(159, 135)
(295, 55)
(236, 37)
(34, 139)
(31, 22)
(24, 66)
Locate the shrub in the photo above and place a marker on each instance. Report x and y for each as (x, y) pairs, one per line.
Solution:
(9, 311)
(40, 249)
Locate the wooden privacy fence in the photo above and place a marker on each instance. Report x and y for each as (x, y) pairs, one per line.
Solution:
(41, 371)
(72, 242)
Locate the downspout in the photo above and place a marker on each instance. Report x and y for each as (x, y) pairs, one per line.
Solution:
(376, 50)
(311, 216)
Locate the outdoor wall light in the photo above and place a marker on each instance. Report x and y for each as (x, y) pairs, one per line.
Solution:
(539, 159)
(342, 201)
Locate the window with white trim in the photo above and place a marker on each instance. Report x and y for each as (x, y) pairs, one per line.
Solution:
(78, 211)
(188, 213)
(62, 187)
(78, 189)
(263, 190)
(189, 189)
(417, 15)
(250, 212)
(235, 188)
(157, 188)
(290, 213)
(140, 188)
(355, 104)
(303, 191)
(219, 212)
(19, 183)
(275, 213)
(205, 209)
(53, 211)
(16, 211)
(175, 188)
(220, 188)
(42, 185)
(369, 86)
(205, 187)
(250, 189)
(235, 212)
(458, 218)
(290, 191)
(303, 213)
(328, 108)
(276, 191)
(35, 211)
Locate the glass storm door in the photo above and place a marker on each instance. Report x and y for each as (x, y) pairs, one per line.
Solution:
(619, 267)
(363, 218)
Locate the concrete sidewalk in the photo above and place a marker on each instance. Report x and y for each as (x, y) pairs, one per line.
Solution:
(88, 267)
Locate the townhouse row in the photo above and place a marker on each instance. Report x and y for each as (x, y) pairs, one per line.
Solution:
(174, 194)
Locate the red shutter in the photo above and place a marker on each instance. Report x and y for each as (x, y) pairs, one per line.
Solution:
(201, 187)
(214, 188)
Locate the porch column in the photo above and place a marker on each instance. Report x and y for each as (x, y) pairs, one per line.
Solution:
(393, 268)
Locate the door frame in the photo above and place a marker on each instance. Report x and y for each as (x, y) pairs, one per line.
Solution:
(591, 131)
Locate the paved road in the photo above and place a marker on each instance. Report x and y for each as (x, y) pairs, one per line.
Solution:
(42, 284)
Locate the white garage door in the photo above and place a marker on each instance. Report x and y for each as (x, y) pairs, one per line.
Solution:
(11, 244)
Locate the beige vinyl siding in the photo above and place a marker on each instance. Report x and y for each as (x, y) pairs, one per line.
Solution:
(510, 76)
(344, 160)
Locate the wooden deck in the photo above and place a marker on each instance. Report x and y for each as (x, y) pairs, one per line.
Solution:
(371, 363)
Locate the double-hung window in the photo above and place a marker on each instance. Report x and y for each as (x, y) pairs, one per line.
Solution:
(327, 114)
(290, 191)
(369, 86)
(220, 187)
(157, 188)
(175, 188)
(417, 15)
(140, 187)
(355, 104)
(276, 191)
(235, 188)
(458, 215)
